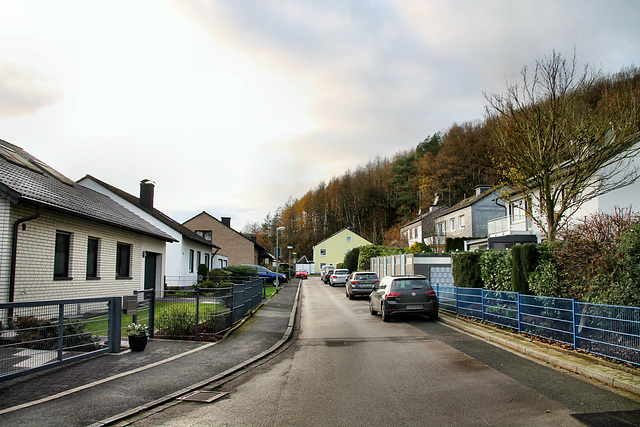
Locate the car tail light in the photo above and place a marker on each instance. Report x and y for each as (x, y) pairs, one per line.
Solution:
(335, 277)
(393, 294)
(431, 292)
(354, 282)
(377, 281)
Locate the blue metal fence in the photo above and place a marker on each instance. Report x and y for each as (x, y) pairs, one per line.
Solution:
(607, 330)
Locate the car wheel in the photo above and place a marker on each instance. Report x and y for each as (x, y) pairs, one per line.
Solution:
(350, 296)
(385, 313)
(371, 310)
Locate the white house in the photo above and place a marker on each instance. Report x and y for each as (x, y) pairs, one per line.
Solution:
(189, 249)
(517, 226)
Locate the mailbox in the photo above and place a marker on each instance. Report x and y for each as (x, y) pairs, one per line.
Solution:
(130, 304)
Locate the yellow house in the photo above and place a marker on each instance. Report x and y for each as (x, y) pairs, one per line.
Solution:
(332, 250)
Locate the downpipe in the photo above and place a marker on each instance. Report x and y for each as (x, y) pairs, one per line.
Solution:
(14, 255)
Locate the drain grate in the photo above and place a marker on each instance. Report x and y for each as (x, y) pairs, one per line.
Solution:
(203, 396)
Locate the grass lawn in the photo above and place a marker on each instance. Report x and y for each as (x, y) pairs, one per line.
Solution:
(99, 325)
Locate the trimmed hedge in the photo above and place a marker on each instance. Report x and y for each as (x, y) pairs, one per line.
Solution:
(466, 269)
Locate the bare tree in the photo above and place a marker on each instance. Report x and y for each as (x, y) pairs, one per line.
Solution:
(566, 136)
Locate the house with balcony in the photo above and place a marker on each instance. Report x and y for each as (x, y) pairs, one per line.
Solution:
(468, 218)
(516, 226)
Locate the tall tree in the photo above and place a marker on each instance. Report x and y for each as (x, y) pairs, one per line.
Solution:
(566, 136)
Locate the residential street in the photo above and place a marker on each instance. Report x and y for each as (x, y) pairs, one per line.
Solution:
(347, 367)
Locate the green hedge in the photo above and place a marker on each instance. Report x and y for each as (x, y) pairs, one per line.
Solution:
(466, 269)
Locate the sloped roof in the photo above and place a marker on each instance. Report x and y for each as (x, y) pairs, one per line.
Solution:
(340, 231)
(184, 231)
(435, 212)
(263, 251)
(23, 178)
(466, 202)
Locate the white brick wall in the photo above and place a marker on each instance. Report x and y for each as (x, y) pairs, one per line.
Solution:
(35, 257)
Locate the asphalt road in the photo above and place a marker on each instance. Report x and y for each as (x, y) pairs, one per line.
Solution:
(347, 367)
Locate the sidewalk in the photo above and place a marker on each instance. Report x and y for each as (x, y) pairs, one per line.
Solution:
(612, 374)
(102, 388)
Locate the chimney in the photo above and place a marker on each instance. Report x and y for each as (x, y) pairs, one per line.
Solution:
(226, 220)
(146, 193)
(481, 189)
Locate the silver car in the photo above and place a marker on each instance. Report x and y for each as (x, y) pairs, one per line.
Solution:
(339, 276)
(396, 295)
(360, 283)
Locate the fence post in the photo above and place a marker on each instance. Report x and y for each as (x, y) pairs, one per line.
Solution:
(482, 294)
(115, 324)
(519, 312)
(152, 311)
(60, 330)
(574, 305)
(197, 310)
(455, 290)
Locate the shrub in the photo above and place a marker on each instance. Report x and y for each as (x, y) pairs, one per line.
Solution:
(41, 334)
(419, 248)
(495, 270)
(203, 270)
(351, 259)
(452, 244)
(466, 269)
(543, 280)
(523, 261)
(176, 319)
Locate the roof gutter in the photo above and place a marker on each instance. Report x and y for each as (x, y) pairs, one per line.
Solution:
(14, 254)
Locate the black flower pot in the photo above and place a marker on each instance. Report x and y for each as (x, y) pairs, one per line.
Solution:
(137, 342)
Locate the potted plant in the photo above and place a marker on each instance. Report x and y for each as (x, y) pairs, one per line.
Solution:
(137, 333)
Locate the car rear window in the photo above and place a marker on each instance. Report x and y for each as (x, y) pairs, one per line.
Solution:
(370, 276)
(410, 284)
(341, 271)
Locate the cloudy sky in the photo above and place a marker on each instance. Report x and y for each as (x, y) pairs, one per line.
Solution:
(234, 106)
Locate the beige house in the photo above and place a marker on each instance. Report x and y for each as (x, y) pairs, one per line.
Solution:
(332, 250)
(61, 240)
(238, 248)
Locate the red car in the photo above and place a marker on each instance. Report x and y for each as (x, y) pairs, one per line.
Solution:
(302, 274)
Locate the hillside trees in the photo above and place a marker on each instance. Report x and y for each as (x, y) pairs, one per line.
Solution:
(566, 137)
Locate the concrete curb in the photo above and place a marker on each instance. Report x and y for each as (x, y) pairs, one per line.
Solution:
(582, 364)
(287, 334)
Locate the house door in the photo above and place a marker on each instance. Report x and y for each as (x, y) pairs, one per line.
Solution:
(150, 261)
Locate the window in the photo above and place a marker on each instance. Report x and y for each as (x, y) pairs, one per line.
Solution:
(123, 261)
(441, 228)
(323, 252)
(199, 259)
(62, 255)
(348, 239)
(452, 224)
(190, 260)
(92, 257)
(206, 260)
(205, 234)
(461, 222)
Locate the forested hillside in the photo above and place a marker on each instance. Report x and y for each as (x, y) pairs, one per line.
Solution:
(443, 169)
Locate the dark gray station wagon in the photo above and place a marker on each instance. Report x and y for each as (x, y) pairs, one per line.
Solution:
(396, 295)
(361, 283)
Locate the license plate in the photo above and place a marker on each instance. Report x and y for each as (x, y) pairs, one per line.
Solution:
(414, 306)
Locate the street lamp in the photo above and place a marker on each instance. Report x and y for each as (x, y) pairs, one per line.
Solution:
(278, 257)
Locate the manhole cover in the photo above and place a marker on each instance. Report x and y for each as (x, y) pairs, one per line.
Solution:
(203, 396)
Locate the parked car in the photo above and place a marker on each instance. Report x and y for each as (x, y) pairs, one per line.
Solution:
(302, 274)
(268, 275)
(327, 275)
(323, 271)
(396, 295)
(361, 283)
(339, 276)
